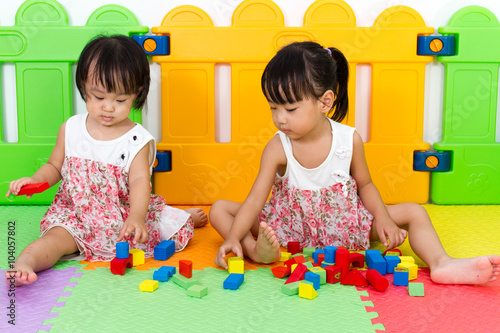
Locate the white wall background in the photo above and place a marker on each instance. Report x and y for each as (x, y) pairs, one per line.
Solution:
(150, 13)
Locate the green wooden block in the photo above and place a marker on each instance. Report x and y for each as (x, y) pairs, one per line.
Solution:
(416, 289)
(308, 264)
(308, 251)
(183, 281)
(299, 255)
(293, 288)
(197, 290)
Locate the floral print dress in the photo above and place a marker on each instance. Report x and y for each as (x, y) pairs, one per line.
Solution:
(92, 201)
(319, 207)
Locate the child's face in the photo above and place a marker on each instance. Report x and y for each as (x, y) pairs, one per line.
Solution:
(299, 119)
(107, 108)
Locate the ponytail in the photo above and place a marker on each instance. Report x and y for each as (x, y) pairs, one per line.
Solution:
(341, 103)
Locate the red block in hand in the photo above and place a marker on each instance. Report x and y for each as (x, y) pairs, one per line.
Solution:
(33, 188)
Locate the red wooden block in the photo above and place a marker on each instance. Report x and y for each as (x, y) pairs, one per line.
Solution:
(393, 250)
(321, 258)
(293, 247)
(297, 274)
(354, 278)
(117, 266)
(377, 280)
(342, 260)
(281, 271)
(186, 268)
(33, 188)
(357, 259)
(295, 260)
(333, 274)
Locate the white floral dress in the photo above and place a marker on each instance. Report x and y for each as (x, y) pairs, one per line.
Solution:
(92, 201)
(319, 207)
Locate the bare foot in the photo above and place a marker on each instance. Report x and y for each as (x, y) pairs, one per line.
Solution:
(20, 276)
(267, 248)
(478, 270)
(199, 217)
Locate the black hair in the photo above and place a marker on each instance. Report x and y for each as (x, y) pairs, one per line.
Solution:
(118, 63)
(307, 70)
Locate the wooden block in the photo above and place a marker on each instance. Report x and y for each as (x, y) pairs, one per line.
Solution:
(307, 291)
(186, 268)
(354, 278)
(137, 257)
(197, 291)
(416, 289)
(281, 271)
(183, 281)
(148, 285)
(236, 265)
(412, 269)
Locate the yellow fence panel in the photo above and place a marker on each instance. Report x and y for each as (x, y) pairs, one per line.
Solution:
(204, 170)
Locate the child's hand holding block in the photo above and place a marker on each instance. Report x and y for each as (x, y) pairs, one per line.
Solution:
(33, 188)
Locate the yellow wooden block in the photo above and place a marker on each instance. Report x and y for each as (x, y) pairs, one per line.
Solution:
(137, 257)
(285, 256)
(148, 285)
(409, 259)
(412, 269)
(236, 265)
(307, 291)
(292, 268)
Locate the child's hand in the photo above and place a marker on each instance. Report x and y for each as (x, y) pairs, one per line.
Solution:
(225, 248)
(135, 227)
(388, 229)
(15, 186)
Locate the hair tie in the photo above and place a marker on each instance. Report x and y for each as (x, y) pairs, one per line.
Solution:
(329, 51)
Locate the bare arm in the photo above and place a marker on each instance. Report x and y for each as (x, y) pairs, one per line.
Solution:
(139, 196)
(384, 226)
(49, 172)
(272, 157)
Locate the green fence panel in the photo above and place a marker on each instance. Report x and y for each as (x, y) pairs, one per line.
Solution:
(43, 46)
(470, 111)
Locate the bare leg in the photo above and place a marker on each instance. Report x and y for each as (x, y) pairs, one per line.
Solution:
(265, 249)
(41, 254)
(426, 244)
(199, 217)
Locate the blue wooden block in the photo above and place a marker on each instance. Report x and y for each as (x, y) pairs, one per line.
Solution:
(330, 254)
(314, 278)
(164, 250)
(164, 273)
(392, 262)
(315, 255)
(161, 275)
(401, 277)
(233, 281)
(374, 260)
(122, 250)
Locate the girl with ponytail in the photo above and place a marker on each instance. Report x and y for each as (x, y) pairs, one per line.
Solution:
(322, 191)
